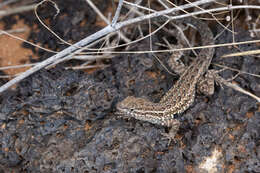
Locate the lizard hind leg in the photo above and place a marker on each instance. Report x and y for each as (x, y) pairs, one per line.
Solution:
(174, 124)
(206, 83)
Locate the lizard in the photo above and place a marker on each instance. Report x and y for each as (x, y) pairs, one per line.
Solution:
(181, 95)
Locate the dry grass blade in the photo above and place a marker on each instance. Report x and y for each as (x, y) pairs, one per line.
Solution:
(244, 53)
(235, 87)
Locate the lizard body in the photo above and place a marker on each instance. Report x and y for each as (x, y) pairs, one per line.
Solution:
(181, 95)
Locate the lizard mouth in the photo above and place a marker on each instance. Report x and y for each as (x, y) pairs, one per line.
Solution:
(119, 107)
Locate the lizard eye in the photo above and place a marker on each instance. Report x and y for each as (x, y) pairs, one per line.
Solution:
(132, 109)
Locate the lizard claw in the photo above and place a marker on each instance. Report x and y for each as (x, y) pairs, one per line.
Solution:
(169, 136)
(174, 124)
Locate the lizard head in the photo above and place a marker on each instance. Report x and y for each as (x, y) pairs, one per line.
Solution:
(131, 105)
(142, 109)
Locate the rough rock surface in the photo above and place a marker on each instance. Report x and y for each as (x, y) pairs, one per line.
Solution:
(61, 120)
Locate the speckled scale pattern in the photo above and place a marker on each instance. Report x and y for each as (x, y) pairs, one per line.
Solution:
(181, 96)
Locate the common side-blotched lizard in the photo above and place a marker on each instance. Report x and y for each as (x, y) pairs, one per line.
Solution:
(181, 95)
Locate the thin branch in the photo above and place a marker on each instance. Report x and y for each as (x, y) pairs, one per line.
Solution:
(250, 52)
(18, 30)
(118, 10)
(182, 49)
(18, 38)
(162, 13)
(239, 71)
(2, 4)
(72, 57)
(165, 12)
(70, 51)
(93, 57)
(87, 67)
(17, 66)
(235, 87)
(92, 5)
(17, 10)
